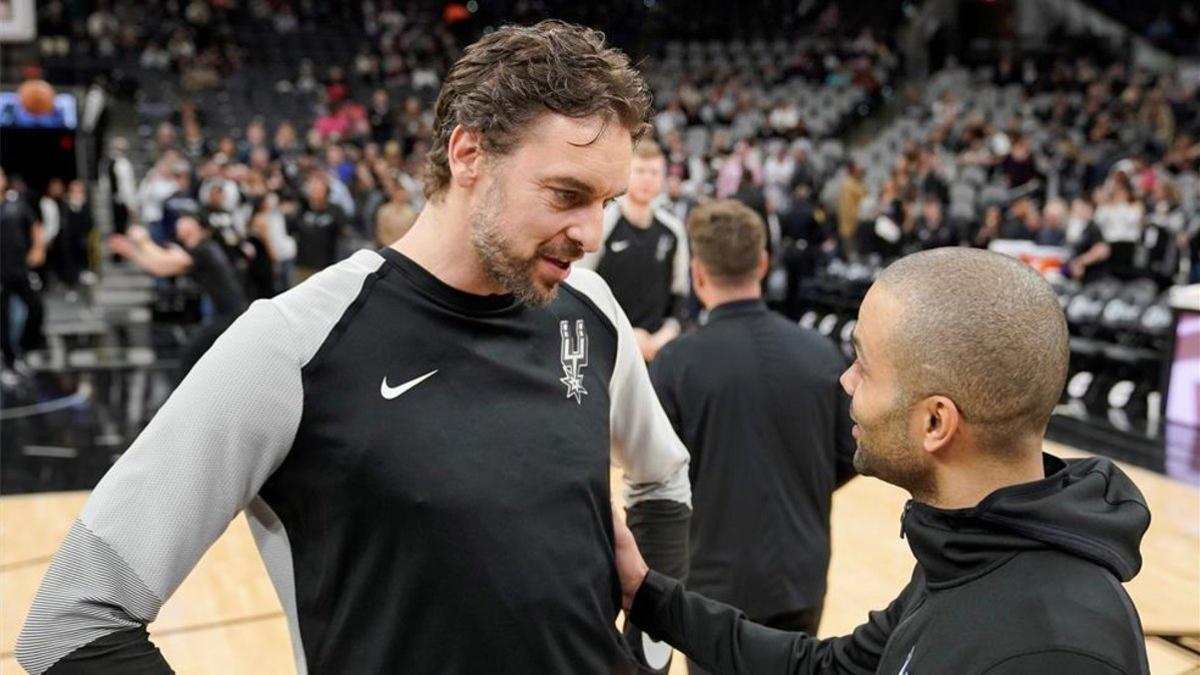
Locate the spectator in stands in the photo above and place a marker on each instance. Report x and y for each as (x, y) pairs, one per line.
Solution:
(805, 240)
(50, 215)
(1023, 221)
(194, 146)
(254, 140)
(394, 219)
(165, 137)
(1089, 251)
(932, 228)
(259, 267)
(331, 123)
(803, 174)
(1158, 255)
(286, 146)
(318, 227)
(751, 193)
(22, 249)
(778, 171)
(201, 258)
(270, 223)
(729, 176)
(677, 201)
(988, 230)
(850, 196)
(77, 224)
(218, 219)
(158, 185)
(122, 184)
(1119, 216)
(381, 117)
(1052, 231)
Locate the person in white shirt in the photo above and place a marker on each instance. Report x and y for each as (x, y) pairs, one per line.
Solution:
(1120, 216)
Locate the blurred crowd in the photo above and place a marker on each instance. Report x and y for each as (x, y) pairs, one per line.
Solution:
(291, 198)
(1085, 155)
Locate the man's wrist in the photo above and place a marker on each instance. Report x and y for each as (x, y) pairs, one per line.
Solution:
(647, 599)
(630, 593)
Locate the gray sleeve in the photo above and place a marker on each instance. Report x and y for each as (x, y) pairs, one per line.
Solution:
(644, 444)
(681, 270)
(197, 464)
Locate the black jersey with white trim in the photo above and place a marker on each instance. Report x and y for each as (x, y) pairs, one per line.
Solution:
(425, 472)
(646, 267)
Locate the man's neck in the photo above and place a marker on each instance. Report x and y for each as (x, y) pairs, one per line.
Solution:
(723, 296)
(439, 242)
(637, 213)
(964, 486)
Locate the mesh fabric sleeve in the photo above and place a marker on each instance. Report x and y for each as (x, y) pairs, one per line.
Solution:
(198, 463)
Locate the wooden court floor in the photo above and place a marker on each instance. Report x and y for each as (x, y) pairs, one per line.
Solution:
(226, 619)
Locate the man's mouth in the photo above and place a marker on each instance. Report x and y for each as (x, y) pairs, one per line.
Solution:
(561, 263)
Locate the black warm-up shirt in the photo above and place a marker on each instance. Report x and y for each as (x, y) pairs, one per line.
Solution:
(646, 267)
(425, 472)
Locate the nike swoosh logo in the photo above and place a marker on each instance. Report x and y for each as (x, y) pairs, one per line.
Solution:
(618, 246)
(390, 393)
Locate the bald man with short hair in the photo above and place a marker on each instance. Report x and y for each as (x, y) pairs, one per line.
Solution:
(961, 358)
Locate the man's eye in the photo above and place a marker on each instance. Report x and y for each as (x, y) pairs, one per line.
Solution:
(609, 202)
(564, 196)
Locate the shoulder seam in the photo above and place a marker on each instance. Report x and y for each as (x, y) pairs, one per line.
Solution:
(291, 328)
(339, 325)
(591, 304)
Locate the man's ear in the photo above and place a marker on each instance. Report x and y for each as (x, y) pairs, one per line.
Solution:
(465, 155)
(764, 265)
(941, 423)
(699, 278)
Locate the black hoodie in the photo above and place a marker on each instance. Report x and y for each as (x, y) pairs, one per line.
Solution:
(1027, 581)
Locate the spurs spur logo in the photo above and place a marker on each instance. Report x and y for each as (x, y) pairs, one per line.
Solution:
(574, 359)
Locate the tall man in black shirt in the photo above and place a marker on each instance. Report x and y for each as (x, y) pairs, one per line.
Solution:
(203, 259)
(421, 436)
(318, 227)
(962, 356)
(644, 257)
(22, 247)
(755, 398)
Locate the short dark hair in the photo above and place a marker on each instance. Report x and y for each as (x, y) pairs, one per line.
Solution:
(728, 239)
(512, 76)
(984, 330)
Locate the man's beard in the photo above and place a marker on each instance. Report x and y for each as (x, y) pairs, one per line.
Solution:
(885, 452)
(505, 268)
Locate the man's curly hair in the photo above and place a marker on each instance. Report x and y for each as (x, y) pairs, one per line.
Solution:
(510, 77)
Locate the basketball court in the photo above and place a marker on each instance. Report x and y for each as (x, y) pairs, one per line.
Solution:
(225, 618)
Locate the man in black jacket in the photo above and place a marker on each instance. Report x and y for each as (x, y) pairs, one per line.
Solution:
(962, 355)
(755, 398)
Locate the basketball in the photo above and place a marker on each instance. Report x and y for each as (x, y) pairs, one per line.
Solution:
(37, 96)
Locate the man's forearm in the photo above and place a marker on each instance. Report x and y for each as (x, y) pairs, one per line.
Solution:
(660, 527)
(123, 652)
(722, 640)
